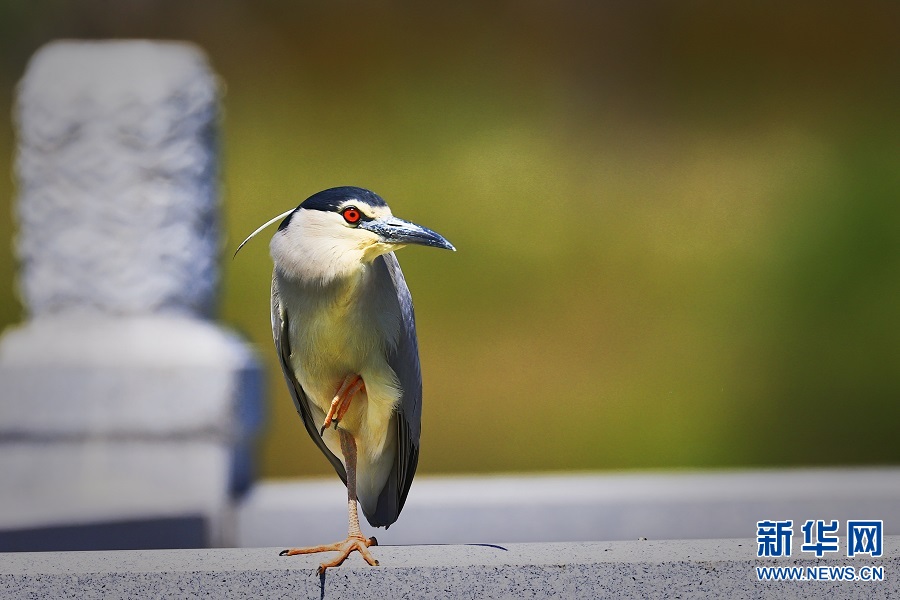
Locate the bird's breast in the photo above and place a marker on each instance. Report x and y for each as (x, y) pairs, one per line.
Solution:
(344, 329)
(335, 330)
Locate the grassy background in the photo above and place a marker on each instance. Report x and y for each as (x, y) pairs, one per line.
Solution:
(678, 223)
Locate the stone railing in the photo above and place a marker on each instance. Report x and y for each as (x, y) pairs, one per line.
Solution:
(121, 401)
(697, 569)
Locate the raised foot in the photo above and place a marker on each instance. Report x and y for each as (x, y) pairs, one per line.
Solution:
(358, 543)
(341, 402)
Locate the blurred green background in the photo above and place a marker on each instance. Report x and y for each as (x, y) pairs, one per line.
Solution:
(678, 223)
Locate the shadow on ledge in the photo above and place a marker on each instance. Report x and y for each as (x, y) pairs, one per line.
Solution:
(144, 534)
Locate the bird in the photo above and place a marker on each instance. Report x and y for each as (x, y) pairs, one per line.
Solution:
(345, 335)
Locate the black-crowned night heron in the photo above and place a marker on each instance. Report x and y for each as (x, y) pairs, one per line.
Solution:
(345, 334)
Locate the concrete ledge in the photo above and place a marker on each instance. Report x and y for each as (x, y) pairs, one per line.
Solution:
(572, 507)
(640, 569)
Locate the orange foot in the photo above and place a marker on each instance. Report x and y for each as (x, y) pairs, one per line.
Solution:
(353, 542)
(341, 402)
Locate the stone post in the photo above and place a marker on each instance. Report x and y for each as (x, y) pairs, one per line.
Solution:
(121, 402)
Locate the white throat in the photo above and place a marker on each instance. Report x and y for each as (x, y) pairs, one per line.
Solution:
(316, 247)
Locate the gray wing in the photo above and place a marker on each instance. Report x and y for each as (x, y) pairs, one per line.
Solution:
(301, 402)
(404, 360)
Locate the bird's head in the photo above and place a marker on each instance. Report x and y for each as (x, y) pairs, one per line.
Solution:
(336, 231)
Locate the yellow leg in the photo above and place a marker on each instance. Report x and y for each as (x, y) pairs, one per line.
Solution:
(355, 539)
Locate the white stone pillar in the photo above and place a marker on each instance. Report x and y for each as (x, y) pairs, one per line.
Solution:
(120, 400)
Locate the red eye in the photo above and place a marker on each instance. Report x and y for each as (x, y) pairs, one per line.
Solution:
(351, 215)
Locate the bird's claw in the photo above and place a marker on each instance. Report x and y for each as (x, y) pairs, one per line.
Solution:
(324, 427)
(341, 402)
(360, 544)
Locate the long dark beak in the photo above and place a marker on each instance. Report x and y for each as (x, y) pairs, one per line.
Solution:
(397, 231)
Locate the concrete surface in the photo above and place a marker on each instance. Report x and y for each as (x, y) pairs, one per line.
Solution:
(116, 165)
(121, 401)
(637, 569)
(577, 507)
